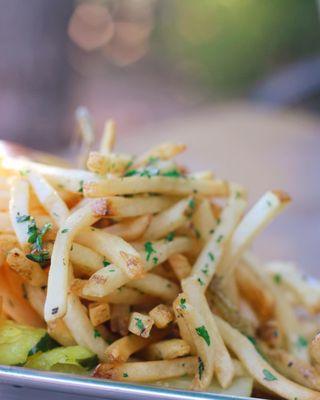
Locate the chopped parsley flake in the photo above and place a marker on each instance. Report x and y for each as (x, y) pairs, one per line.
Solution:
(238, 195)
(192, 204)
(268, 376)
(211, 256)
(211, 231)
(155, 260)
(35, 238)
(131, 172)
(125, 375)
(277, 278)
(202, 332)
(149, 250)
(200, 281)
(302, 342)
(205, 270)
(218, 221)
(81, 186)
(200, 367)
(64, 230)
(96, 334)
(22, 218)
(269, 203)
(172, 174)
(198, 234)
(220, 239)
(140, 325)
(105, 263)
(182, 304)
(170, 236)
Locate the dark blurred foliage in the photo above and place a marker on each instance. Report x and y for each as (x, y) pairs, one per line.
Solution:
(231, 44)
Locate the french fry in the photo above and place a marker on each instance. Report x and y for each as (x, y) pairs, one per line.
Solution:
(164, 151)
(48, 197)
(284, 313)
(149, 371)
(99, 313)
(167, 350)
(306, 289)
(129, 207)
(201, 338)
(18, 208)
(7, 243)
(180, 265)
(130, 229)
(86, 133)
(254, 290)
(120, 317)
(81, 328)
(114, 249)
(156, 286)
(169, 220)
(36, 297)
(14, 303)
(122, 295)
(204, 221)
(56, 301)
(296, 370)
(222, 363)
(259, 369)
(86, 261)
(108, 137)
(110, 163)
(155, 184)
(122, 349)
(270, 205)
(71, 180)
(162, 315)
(29, 271)
(211, 255)
(140, 324)
(155, 253)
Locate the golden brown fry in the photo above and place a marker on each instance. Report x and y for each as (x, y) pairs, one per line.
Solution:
(30, 271)
(167, 350)
(147, 371)
(156, 286)
(122, 349)
(163, 151)
(130, 229)
(180, 265)
(296, 370)
(140, 324)
(155, 184)
(99, 313)
(162, 315)
(254, 290)
(120, 317)
(108, 137)
(259, 369)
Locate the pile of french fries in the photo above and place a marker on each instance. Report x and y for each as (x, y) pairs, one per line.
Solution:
(149, 266)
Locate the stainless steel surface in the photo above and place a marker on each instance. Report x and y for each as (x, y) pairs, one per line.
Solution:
(21, 380)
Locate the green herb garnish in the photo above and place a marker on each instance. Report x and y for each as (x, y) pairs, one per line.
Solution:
(202, 332)
(22, 218)
(182, 303)
(170, 236)
(268, 376)
(200, 367)
(148, 247)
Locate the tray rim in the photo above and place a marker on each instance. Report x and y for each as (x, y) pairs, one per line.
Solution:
(88, 386)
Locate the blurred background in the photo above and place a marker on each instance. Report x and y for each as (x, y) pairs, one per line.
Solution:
(237, 80)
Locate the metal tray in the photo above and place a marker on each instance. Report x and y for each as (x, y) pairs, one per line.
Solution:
(51, 386)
